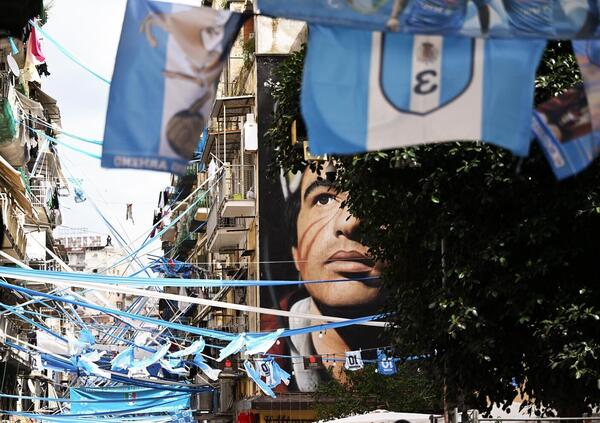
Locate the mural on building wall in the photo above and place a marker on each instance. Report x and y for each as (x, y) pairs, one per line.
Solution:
(305, 235)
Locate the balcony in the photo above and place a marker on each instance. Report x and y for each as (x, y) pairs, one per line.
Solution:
(235, 191)
(232, 200)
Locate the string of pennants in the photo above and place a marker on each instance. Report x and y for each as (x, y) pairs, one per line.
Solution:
(430, 70)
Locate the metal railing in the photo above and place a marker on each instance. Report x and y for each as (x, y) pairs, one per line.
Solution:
(235, 182)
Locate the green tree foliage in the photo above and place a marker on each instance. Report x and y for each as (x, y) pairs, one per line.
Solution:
(492, 266)
(410, 389)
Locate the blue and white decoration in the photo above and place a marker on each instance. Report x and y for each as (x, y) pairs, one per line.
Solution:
(557, 19)
(386, 365)
(168, 65)
(449, 89)
(568, 126)
(354, 361)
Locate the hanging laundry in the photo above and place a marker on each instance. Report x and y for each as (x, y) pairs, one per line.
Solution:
(567, 127)
(129, 213)
(552, 19)
(385, 364)
(164, 83)
(407, 90)
(34, 45)
(354, 361)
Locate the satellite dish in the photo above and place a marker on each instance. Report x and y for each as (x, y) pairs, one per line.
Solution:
(13, 66)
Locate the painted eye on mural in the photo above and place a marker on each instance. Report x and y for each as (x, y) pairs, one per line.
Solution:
(324, 199)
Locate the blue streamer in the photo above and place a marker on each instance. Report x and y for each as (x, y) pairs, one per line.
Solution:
(13, 272)
(13, 46)
(79, 150)
(67, 53)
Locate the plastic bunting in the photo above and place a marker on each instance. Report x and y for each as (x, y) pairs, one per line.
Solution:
(213, 374)
(195, 348)
(547, 19)
(124, 360)
(140, 365)
(174, 366)
(255, 376)
(252, 344)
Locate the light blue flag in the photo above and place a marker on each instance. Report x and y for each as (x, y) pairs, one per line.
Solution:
(124, 360)
(168, 66)
(213, 374)
(86, 336)
(255, 376)
(174, 366)
(262, 344)
(550, 19)
(150, 360)
(406, 90)
(195, 348)
(233, 347)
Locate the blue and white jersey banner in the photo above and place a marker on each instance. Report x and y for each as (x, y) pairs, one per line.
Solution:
(386, 365)
(568, 126)
(168, 66)
(366, 91)
(550, 19)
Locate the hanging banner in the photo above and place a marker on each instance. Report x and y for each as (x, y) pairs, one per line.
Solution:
(164, 84)
(563, 128)
(568, 127)
(451, 89)
(550, 19)
(385, 365)
(354, 361)
(124, 397)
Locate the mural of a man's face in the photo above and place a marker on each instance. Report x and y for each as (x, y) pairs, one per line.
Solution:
(327, 248)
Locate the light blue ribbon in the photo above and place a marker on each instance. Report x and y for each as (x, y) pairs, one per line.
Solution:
(67, 53)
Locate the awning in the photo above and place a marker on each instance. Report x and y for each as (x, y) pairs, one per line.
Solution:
(232, 106)
(49, 103)
(12, 180)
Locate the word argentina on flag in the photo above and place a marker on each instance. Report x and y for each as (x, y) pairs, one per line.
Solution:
(366, 91)
(551, 19)
(164, 84)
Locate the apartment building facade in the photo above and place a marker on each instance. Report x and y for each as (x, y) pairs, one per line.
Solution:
(31, 185)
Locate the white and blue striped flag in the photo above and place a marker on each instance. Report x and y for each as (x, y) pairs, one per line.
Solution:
(168, 66)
